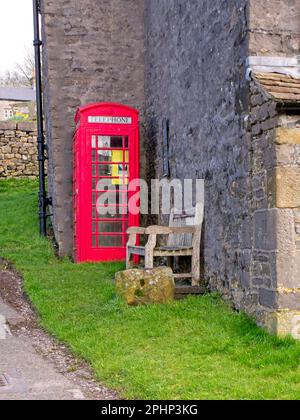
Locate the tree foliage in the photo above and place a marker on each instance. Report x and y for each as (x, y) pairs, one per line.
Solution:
(22, 75)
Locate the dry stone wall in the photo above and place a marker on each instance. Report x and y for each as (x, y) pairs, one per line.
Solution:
(18, 150)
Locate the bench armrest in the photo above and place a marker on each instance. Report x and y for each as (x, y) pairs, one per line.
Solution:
(136, 231)
(133, 232)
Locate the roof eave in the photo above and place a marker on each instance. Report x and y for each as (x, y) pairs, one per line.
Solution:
(288, 106)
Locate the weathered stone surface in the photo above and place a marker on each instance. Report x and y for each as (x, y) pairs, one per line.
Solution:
(27, 126)
(285, 135)
(8, 125)
(283, 323)
(288, 187)
(286, 155)
(139, 287)
(285, 230)
(274, 26)
(18, 150)
(268, 298)
(101, 59)
(265, 235)
(289, 299)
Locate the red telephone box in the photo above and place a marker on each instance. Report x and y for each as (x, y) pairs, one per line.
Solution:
(106, 159)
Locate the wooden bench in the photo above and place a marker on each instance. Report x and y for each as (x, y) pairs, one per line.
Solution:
(184, 237)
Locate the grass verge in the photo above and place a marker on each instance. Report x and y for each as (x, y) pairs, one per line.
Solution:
(195, 349)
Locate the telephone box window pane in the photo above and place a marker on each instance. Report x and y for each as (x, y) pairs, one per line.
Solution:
(107, 212)
(94, 241)
(117, 215)
(118, 197)
(126, 142)
(107, 142)
(105, 170)
(104, 184)
(111, 212)
(103, 142)
(94, 170)
(110, 242)
(113, 156)
(94, 227)
(116, 142)
(107, 227)
(94, 156)
(105, 156)
(94, 144)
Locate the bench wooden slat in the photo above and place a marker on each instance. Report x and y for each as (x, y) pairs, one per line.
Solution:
(183, 275)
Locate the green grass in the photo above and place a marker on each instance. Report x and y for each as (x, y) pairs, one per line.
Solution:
(195, 349)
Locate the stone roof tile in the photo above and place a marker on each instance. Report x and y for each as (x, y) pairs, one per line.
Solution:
(281, 87)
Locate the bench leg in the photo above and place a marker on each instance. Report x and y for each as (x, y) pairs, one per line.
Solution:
(128, 260)
(196, 270)
(149, 260)
(149, 252)
(171, 262)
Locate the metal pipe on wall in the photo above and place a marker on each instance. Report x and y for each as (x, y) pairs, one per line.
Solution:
(40, 128)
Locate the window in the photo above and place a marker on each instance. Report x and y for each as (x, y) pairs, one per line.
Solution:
(8, 113)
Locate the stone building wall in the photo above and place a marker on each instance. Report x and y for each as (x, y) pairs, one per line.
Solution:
(93, 52)
(196, 79)
(274, 279)
(286, 178)
(18, 150)
(223, 129)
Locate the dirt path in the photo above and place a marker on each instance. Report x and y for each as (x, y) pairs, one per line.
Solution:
(33, 365)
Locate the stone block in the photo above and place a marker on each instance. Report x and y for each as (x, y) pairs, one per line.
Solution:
(256, 99)
(288, 267)
(285, 135)
(270, 123)
(288, 187)
(27, 126)
(10, 133)
(285, 230)
(283, 323)
(8, 125)
(285, 155)
(289, 299)
(268, 298)
(140, 287)
(265, 237)
(288, 323)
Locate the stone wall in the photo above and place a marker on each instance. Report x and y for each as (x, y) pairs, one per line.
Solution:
(287, 200)
(275, 264)
(93, 52)
(18, 150)
(196, 79)
(274, 27)
(224, 129)
(263, 120)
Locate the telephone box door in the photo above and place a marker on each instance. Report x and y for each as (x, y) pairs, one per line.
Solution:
(111, 160)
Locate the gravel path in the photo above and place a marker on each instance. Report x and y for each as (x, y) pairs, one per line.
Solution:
(33, 365)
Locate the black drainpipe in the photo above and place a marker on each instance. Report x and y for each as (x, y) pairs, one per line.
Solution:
(43, 201)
